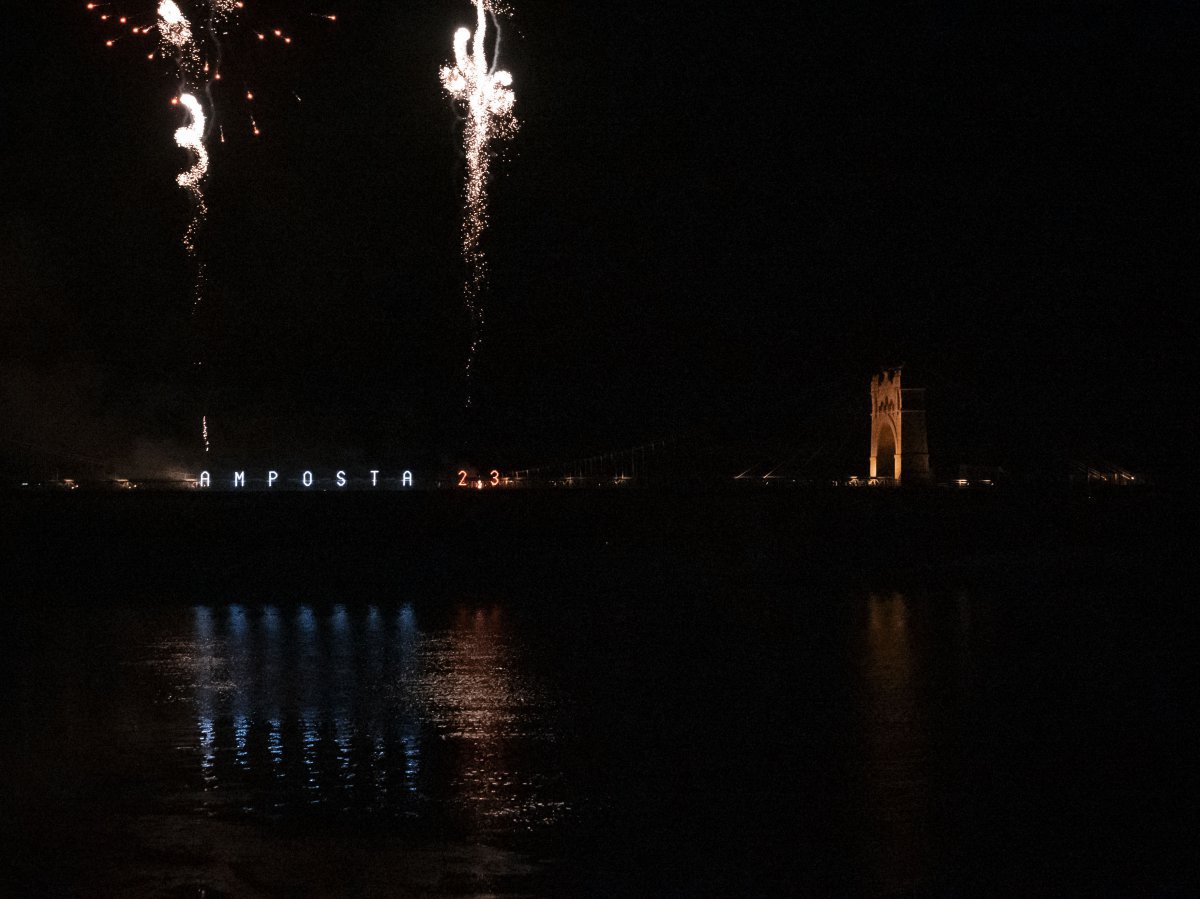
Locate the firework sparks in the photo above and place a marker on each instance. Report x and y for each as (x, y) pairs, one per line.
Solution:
(175, 36)
(191, 137)
(487, 95)
(197, 46)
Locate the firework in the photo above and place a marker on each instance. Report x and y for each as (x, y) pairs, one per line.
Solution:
(486, 95)
(196, 53)
(190, 137)
(176, 40)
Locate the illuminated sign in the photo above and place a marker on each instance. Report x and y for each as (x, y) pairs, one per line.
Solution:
(493, 480)
(307, 479)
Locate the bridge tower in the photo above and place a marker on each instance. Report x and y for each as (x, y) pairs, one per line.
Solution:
(899, 447)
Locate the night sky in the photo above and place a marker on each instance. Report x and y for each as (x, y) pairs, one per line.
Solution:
(714, 221)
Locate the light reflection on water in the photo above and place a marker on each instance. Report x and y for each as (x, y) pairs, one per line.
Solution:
(334, 709)
(473, 696)
(896, 775)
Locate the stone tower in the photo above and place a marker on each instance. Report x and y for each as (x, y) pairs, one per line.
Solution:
(899, 448)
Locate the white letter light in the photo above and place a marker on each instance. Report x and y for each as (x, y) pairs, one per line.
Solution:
(341, 476)
(239, 479)
(205, 479)
(406, 479)
(374, 478)
(272, 477)
(307, 478)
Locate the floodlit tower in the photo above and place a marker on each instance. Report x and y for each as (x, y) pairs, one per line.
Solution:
(899, 447)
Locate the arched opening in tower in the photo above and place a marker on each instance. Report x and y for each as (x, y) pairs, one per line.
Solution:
(885, 452)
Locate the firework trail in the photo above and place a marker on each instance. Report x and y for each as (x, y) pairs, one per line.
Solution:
(191, 137)
(486, 93)
(176, 39)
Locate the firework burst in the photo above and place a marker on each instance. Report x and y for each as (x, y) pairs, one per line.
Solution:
(485, 93)
(175, 36)
(217, 30)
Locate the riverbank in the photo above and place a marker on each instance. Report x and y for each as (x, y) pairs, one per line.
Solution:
(180, 546)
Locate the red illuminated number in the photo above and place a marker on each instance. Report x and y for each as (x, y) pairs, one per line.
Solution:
(462, 479)
(495, 478)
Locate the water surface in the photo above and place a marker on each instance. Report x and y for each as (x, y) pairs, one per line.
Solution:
(987, 738)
